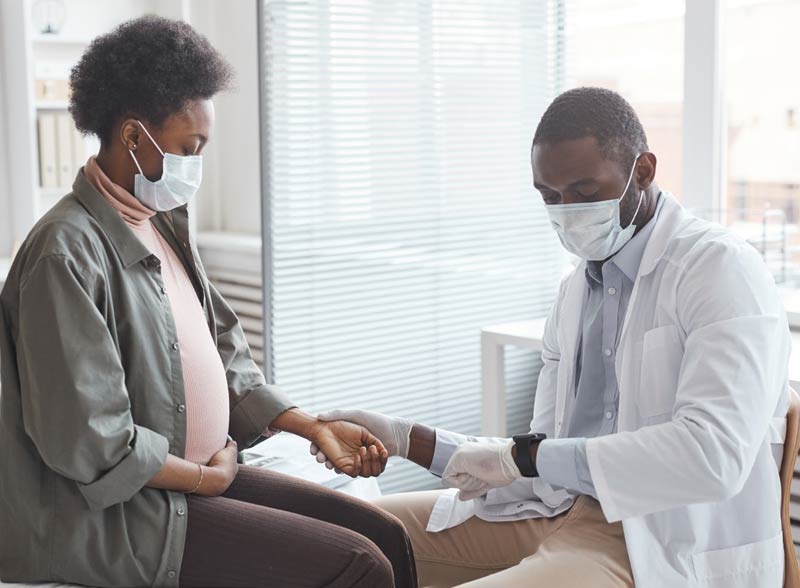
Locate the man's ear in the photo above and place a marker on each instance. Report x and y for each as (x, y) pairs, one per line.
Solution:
(646, 170)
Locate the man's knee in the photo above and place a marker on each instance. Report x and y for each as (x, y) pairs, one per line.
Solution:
(412, 509)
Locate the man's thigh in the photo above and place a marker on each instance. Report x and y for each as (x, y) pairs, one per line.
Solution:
(586, 551)
(474, 549)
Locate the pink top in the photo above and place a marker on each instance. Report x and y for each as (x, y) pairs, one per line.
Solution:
(207, 408)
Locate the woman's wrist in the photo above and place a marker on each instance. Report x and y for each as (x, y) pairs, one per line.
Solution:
(298, 422)
(200, 478)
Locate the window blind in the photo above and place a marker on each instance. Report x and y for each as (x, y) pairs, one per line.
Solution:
(402, 213)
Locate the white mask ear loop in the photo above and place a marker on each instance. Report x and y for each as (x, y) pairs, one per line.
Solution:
(136, 162)
(641, 194)
(159, 148)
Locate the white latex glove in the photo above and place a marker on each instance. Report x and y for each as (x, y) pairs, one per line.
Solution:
(394, 432)
(475, 468)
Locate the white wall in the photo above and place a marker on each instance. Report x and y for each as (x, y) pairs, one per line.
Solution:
(229, 196)
(5, 187)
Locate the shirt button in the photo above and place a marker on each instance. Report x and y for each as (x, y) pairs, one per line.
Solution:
(181, 407)
(163, 290)
(607, 352)
(171, 573)
(175, 345)
(612, 291)
(181, 511)
(609, 414)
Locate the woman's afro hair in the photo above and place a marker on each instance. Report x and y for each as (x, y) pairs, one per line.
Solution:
(149, 67)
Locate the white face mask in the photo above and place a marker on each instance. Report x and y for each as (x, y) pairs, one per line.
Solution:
(592, 230)
(180, 179)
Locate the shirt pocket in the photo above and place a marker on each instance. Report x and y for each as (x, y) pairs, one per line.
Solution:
(662, 354)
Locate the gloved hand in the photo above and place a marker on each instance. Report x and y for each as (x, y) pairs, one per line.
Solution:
(394, 432)
(477, 467)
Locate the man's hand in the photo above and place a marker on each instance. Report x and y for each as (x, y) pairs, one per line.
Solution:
(393, 431)
(476, 468)
(350, 448)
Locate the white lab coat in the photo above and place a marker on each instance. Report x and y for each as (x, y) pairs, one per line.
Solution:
(703, 392)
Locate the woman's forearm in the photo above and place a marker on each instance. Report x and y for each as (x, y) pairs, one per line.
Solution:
(296, 421)
(179, 475)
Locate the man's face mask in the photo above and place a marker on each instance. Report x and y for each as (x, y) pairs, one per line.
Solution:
(592, 230)
(180, 179)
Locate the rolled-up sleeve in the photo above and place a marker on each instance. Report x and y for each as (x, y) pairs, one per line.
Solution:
(446, 444)
(254, 403)
(75, 404)
(563, 462)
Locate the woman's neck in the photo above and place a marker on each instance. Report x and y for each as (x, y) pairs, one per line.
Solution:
(116, 167)
(129, 207)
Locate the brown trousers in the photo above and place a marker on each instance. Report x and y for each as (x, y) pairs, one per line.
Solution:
(576, 549)
(269, 529)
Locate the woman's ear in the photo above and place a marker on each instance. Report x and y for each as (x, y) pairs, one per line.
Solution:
(646, 169)
(130, 134)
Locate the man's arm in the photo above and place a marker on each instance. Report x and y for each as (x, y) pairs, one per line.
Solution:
(422, 445)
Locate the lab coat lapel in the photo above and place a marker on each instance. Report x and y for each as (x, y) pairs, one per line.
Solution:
(627, 374)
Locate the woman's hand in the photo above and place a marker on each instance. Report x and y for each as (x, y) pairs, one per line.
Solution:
(220, 471)
(351, 448)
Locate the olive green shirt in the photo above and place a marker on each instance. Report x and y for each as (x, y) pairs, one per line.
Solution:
(93, 398)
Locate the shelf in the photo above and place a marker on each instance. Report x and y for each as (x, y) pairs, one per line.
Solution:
(56, 39)
(52, 104)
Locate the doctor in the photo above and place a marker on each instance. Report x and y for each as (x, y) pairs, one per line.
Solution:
(653, 451)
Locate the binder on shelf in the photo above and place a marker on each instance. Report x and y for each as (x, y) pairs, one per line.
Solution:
(79, 152)
(48, 161)
(64, 131)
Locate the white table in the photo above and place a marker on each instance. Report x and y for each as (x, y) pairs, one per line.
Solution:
(528, 335)
(525, 334)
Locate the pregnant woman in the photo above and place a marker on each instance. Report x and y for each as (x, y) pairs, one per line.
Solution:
(127, 383)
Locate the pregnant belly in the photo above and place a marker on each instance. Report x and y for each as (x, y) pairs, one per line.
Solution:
(207, 410)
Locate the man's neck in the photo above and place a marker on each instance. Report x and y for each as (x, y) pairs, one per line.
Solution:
(651, 198)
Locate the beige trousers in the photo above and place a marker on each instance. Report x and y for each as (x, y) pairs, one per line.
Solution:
(576, 549)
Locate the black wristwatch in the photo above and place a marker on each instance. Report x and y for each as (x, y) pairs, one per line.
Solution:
(523, 459)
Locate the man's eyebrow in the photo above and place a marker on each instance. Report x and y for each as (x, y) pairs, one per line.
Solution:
(201, 135)
(581, 182)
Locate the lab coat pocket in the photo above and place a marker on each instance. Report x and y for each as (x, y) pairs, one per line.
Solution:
(662, 353)
(763, 559)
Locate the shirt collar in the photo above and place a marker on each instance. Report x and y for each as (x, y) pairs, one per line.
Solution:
(629, 257)
(128, 246)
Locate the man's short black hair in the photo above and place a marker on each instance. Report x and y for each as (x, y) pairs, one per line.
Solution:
(148, 67)
(594, 112)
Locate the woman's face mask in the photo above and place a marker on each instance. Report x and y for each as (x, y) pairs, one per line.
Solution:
(180, 179)
(592, 230)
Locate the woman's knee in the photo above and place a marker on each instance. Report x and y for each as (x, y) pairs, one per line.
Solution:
(369, 567)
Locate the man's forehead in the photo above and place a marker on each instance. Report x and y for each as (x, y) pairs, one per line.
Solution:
(568, 161)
